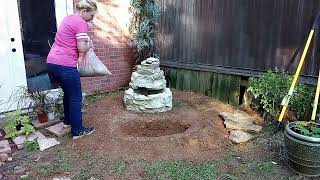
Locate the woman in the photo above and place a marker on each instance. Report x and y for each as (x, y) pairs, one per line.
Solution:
(71, 42)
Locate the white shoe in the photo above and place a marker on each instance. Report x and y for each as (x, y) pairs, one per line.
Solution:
(66, 125)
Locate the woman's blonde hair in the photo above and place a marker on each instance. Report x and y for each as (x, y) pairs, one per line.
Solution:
(89, 5)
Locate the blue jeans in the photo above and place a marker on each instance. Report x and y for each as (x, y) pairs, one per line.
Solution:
(69, 80)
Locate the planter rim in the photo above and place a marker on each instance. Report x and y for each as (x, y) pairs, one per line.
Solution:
(299, 136)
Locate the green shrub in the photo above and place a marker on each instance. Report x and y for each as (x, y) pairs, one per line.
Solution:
(272, 87)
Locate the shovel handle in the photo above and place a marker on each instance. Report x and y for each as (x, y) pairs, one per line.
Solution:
(296, 76)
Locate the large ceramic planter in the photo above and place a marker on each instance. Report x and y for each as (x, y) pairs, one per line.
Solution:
(303, 152)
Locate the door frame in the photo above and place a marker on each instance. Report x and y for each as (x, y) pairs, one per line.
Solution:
(63, 8)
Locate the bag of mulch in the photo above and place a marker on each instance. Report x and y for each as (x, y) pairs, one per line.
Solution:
(91, 65)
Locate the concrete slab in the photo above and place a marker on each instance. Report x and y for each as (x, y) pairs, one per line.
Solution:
(59, 130)
(20, 141)
(39, 125)
(47, 143)
(35, 135)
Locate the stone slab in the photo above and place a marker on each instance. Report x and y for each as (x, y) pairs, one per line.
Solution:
(238, 117)
(35, 135)
(153, 103)
(47, 143)
(20, 141)
(59, 130)
(39, 125)
(5, 147)
(240, 137)
(240, 121)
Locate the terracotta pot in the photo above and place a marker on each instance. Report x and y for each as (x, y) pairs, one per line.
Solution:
(43, 118)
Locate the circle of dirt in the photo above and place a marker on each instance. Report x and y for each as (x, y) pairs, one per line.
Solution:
(118, 129)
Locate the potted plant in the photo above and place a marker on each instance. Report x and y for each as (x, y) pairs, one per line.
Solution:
(38, 101)
(302, 141)
(17, 124)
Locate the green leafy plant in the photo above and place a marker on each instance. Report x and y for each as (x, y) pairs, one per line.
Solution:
(17, 124)
(307, 129)
(32, 146)
(143, 28)
(272, 87)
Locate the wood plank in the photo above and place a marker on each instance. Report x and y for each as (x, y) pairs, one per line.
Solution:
(186, 80)
(173, 77)
(225, 86)
(234, 92)
(194, 81)
(180, 79)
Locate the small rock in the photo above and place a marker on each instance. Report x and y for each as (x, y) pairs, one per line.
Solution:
(19, 170)
(4, 157)
(37, 159)
(10, 159)
(240, 136)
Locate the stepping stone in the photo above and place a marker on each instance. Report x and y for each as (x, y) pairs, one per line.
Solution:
(47, 143)
(240, 136)
(240, 121)
(20, 141)
(5, 147)
(39, 125)
(59, 130)
(35, 135)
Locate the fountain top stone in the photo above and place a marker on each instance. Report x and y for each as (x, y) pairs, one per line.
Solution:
(148, 76)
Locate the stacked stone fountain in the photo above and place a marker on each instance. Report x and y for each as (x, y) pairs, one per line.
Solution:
(148, 92)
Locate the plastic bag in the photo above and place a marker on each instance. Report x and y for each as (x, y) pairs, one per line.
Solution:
(91, 65)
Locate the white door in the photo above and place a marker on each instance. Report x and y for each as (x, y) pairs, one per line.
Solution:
(12, 69)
